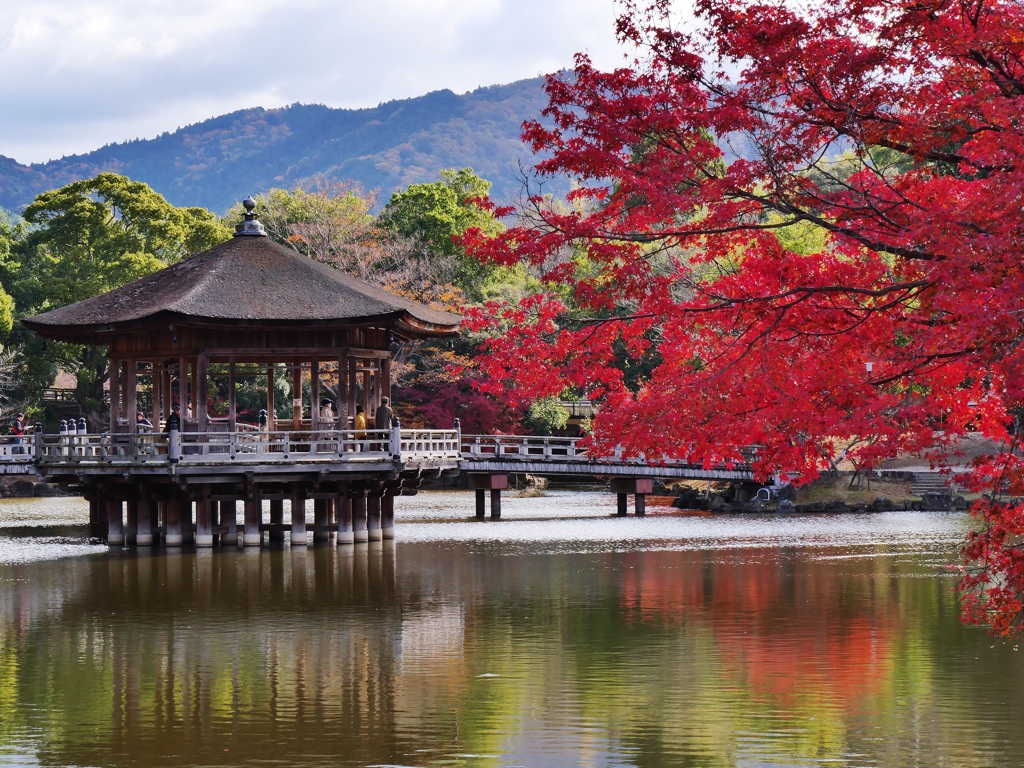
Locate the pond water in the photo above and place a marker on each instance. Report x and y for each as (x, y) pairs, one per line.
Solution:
(559, 636)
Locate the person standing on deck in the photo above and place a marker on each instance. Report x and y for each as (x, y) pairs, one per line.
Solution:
(385, 416)
(360, 427)
(327, 413)
(18, 430)
(174, 421)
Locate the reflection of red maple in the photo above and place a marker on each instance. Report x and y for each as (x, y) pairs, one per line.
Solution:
(771, 200)
(768, 630)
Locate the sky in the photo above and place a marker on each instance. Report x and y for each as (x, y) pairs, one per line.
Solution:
(78, 74)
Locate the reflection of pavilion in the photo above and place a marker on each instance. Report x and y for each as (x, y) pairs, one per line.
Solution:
(228, 321)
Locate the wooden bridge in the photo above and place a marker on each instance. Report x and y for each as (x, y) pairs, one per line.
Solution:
(339, 469)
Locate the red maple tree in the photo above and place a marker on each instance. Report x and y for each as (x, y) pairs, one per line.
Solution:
(807, 223)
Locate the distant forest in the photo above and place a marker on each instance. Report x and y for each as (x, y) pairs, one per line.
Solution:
(217, 162)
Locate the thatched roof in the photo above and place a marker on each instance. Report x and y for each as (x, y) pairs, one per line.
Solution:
(249, 281)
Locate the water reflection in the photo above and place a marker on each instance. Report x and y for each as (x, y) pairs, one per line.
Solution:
(429, 654)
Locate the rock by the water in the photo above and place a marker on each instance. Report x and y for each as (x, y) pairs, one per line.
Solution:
(936, 502)
(959, 502)
(23, 489)
(836, 507)
(882, 504)
(45, 490)
(786, 506)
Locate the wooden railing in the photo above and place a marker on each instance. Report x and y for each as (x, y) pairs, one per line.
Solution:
(249, 447)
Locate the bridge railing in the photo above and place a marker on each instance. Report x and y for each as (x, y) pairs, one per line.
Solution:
(246, 446)
(523, 448)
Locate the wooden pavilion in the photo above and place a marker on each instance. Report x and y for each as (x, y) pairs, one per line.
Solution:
(244, 312)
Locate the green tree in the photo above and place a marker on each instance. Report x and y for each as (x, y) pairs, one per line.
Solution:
(81, 240)
(434, 215)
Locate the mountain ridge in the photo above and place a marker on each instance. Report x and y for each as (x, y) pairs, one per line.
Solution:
(215, 162)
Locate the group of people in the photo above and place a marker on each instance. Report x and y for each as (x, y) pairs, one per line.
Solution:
(383, 419)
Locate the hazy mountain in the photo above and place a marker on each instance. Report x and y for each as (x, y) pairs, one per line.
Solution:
(219, 161)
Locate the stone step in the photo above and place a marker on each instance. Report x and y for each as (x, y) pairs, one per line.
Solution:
(933, 482)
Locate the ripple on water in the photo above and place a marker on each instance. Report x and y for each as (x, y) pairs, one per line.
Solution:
(583, 521)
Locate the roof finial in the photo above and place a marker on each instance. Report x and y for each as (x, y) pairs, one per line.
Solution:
(250, 226)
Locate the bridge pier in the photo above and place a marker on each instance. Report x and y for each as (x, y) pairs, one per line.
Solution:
(639, 487)
(495, 483)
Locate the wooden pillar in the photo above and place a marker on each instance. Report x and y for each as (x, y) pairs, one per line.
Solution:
(253, 518)
(173, 511)
(202, 388)
(97, 516)
(194, 402)
(373, 517)
(387, 516)
(495, 503)
(114, 367)
(115, 522)
(144, 518)
(157, 394)
(321, 519)
(276, 518)
(314, 398)
(131, 394)
(359, 517)
(165, 387)
(343, 504)
(188, 529)
(204, 519)
(296, 396)
(270, 397)
(131, 521)
(640, 507)
(351, 408)
(385, 377)
(232, 401)
(229, 523)
(622, 500)
(481, 503)
(183, 396)
(342, 409)
(299, 516)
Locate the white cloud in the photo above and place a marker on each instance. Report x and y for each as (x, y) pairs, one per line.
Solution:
(81, 74)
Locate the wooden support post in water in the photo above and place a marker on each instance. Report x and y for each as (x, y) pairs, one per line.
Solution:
(144, 519)
(204, 519)
(229, 522)
(493, 483)
(359, 517)
(623, 504)
(321, 519)
(115, 522)
(373, 516)
(387, 516)
(131, 523)
(299, 516)
(638, 486)
(344, 506)
(481, 503)
(253, 517)
(173, 511)
(97, 516)
(276, 518)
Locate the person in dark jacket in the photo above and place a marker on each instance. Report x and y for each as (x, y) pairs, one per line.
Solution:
(174, 421)
(384, 415)
(18, 430)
